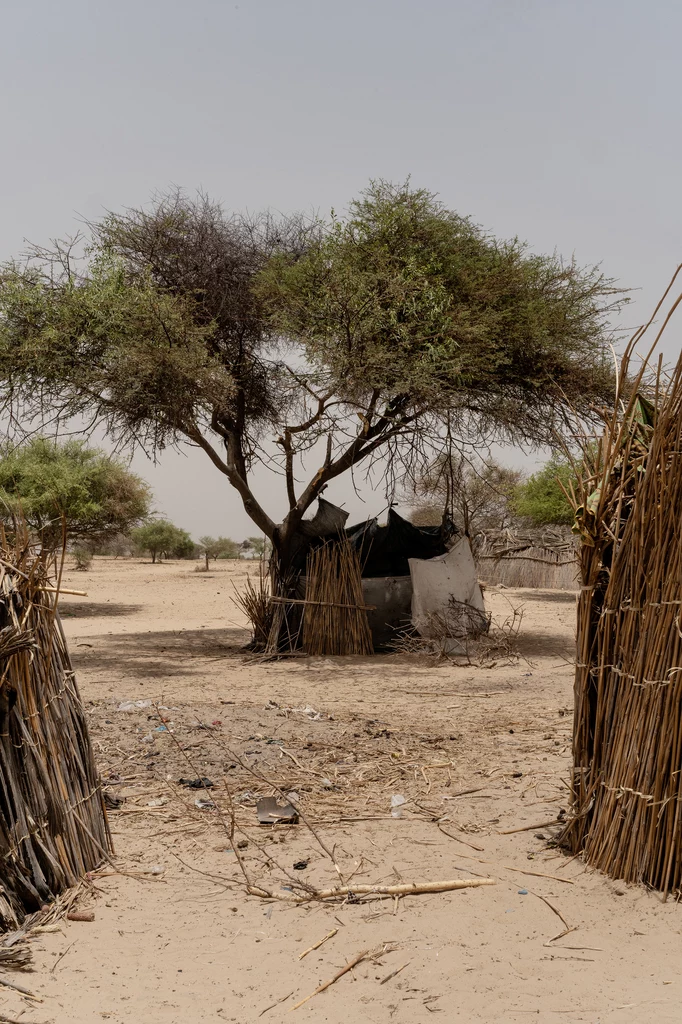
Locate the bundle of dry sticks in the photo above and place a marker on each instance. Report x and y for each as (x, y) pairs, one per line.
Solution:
(53, 827)
(627, 775)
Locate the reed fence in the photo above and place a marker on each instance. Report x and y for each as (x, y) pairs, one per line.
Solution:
(53, 826)
(627, 747)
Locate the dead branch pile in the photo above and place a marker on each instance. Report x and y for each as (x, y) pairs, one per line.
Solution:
(335, 616)
(627, 775)
(53, 827)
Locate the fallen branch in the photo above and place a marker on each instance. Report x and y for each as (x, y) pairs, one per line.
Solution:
(317, 945)
(404, 889)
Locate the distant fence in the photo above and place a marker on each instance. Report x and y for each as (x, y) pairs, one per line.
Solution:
(540, 568)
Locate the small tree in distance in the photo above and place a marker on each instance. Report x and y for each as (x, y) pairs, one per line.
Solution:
(159, 537)
(218, 547)
(260, 546)
(50, 483)
(542, 500)
(478, 493)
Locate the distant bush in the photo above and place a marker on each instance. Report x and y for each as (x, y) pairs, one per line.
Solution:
(82, 557)
(160, 538)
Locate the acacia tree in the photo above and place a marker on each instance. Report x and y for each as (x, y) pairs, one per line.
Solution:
(339, 343)
(218, 547)
(159, 537)
(51, 482)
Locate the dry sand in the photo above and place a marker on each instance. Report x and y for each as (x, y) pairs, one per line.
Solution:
(181, 946)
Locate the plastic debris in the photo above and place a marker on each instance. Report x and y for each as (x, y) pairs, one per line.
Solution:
(523, 892)
(301, 865)
(160, 801)
(397, 801)
(149, 738)
(270, 812)
(134, 705)
(202, 783)
(203, 804)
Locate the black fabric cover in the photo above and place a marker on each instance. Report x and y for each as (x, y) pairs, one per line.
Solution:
(383, 550)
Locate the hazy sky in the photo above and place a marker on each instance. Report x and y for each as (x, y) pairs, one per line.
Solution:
(550, 120)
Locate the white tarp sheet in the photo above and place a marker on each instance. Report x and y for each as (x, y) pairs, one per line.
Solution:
(447, 599)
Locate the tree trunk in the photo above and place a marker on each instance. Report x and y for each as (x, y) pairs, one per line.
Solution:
(207, 561)
(153, 557)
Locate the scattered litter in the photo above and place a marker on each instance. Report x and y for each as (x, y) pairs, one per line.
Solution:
(246, 797)
(293, 797)
(242, 844)
(327, 783)
(111, 801)
(523, 892)
(134, 705)
(203, 804)
(81, 915)
(162, 728)
(202, 783)
(149, 738)
(269, 811)
(156, 869)
(301, 865)
(159, 801)
(397, 801)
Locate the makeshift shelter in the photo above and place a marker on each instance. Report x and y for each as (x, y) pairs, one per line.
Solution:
(627, 744)
(53, 827)
(399, 564)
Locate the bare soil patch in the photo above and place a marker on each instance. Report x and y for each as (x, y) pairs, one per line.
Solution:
(476, 752)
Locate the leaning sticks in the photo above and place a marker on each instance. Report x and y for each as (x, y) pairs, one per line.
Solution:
(627, 774)
(335, 614)
(53, 827)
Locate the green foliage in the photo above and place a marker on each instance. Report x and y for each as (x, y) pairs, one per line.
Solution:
(82, 557)
(96, 495)
(541, 498)
(259, 546)
(218, 547)
(416, 302)
(372, 332)
(159, 537)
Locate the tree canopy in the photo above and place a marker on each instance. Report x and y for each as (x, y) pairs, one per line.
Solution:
(159, 537)
(218, 547)
(542, 499)
(51, 482)
(339, 343)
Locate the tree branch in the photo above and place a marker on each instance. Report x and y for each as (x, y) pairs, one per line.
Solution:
(228, 466)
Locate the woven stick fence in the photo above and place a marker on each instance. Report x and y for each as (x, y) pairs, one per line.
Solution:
(627, 774)
(334, 611)
(53, 826)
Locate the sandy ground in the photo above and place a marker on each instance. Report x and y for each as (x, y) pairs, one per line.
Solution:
(475, 751)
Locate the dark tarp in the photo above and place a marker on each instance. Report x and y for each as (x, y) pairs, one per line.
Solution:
(383, 550)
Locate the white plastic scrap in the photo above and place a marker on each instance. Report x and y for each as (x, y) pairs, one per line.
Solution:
(134, 705)
(397, 801)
